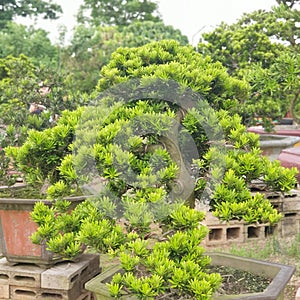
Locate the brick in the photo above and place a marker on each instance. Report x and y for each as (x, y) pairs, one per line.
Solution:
(291, 205)
(20, 274)
(235, 233)
(217, 234)
(256, 232)
(64, 276)
(298, 294)
(26, 275)
(31, 293)
(5, 272)
(4, 291)
(291, 202)
(85, 296)
(289, 225)
(23, 293)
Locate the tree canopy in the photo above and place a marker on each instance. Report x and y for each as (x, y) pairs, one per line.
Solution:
(117, 12)
(167, 59)
(13, 8)
(262, 47)
(92, 46)
(16, 39)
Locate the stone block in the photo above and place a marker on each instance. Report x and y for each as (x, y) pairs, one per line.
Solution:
(86, 296)
(216, 234)
(232, 232)
(291, 205)
(64, 276)
(31, 293)
(26, 275)
(4, 291)
(289, 225)
(298, 294)
(235, 233)
(23, 293)
(256, 232)
(5, 271)
(20, 274)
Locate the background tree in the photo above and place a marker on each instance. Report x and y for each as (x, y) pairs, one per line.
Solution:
(16, 39)
(274, 90)
(241, 44)
(117, 12)
(259, 36)
(139, 33)
(13, 8)
(261, 47)
(20, 85)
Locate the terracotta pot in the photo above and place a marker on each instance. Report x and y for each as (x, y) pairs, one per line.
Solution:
(280, 275)
(16, 227)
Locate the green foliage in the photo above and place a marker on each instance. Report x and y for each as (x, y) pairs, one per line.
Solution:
(279, 178)
(59, 226)
(248, 166)
(174, 266)
(275, 89)
(232, 197)
(257, 37)
(139, 33)
(17, 39)
(145, 170)
(117, 12)
(168, 60)
(92, 46)
(256, 209)
(42, 151)
(11, 9)
(128, 156)
(237, 45)
(58, 189)
(182, 218)
(7, 178)
(261, 47)
(136, 213)
(152, 265)
(233, 200)
(20, 83)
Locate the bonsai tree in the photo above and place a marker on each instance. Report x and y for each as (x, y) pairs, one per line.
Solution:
(147, 150)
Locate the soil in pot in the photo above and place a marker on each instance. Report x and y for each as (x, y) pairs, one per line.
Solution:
(239, 282)
(22, 192)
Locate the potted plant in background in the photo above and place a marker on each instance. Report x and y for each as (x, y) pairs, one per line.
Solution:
(20, 86)
(16, 224)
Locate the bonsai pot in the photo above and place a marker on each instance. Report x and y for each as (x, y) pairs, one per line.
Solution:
(16, 227)
(291, 158)
(272, 144)
(278, 273)
(287, 121)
